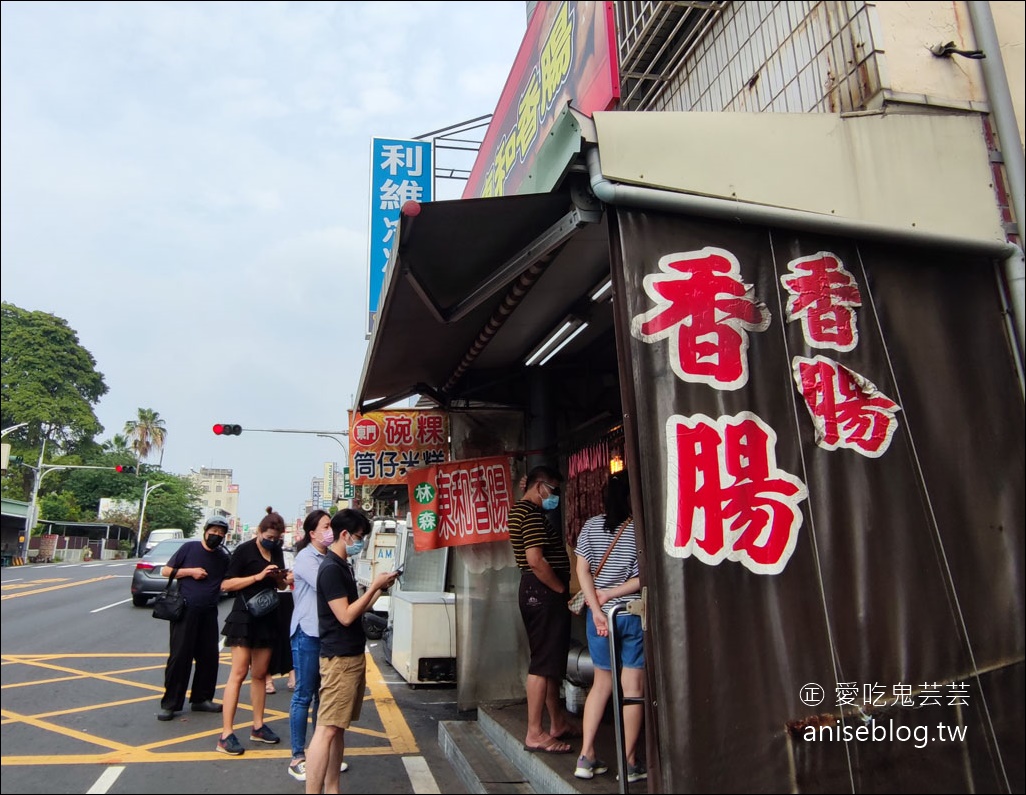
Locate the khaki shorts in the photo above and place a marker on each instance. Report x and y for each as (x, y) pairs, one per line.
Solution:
(343, 680)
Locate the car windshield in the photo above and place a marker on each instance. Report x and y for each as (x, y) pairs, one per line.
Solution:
(165, 549)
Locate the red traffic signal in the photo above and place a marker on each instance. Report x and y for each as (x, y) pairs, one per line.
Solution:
(227, 429)
(124, 470)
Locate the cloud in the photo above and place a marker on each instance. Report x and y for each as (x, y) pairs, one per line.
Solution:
(187, 185)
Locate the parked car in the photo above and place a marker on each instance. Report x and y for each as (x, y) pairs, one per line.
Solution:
(146, 580)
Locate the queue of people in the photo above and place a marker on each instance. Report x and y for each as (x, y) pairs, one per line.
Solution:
(327, 642)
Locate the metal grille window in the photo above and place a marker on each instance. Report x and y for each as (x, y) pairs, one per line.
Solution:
(653, 39)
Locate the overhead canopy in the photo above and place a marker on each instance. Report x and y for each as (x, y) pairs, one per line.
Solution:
(472, 291)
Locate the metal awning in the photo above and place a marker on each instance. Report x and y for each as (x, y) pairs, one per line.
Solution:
(474, 286)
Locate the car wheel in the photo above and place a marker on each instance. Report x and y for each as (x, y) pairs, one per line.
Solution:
(139, 600)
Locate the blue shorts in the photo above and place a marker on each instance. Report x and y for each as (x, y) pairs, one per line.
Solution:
(628, 636)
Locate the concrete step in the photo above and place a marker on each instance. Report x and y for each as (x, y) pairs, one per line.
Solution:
(480, 765)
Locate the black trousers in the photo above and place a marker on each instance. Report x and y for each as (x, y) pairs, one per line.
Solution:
(193, 638)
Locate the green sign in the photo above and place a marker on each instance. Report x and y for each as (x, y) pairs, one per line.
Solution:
(347, 485)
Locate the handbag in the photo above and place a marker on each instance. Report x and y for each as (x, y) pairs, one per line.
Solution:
(577, 603)
(262, 603)
(170, 603)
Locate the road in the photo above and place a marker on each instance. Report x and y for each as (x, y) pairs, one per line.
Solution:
(81, 682)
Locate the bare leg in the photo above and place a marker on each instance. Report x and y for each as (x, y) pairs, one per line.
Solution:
(232, 688)
(633, 682)
(259, 660)
(335, 751)
(317, 758)
(594, 708)
(559, 723)
(537, 697)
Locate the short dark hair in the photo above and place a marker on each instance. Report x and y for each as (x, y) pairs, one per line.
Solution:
(543, 472)
(350, 520)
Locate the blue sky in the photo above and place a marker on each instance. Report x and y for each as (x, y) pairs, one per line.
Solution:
(187, 184)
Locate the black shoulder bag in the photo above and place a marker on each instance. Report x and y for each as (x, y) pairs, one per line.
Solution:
(170, 603)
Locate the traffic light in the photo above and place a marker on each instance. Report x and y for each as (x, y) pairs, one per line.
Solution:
(227, 429)
(123, 469)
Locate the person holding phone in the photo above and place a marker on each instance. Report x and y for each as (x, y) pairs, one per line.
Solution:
(256, 565)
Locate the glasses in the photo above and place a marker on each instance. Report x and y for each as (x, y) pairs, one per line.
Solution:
(552, 489)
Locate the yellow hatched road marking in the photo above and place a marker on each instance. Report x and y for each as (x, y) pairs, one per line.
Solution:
(55, 587)
(21, 586)
(396, 732)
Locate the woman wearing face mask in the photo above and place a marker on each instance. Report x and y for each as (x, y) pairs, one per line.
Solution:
(306, 642)
(256, 565)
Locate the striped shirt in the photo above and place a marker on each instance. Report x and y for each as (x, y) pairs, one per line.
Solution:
(622, 563)
(529, 527)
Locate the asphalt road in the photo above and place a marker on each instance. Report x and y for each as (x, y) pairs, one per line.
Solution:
(80, 688)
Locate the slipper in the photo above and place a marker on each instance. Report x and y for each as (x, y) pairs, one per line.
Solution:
(549, 748)
(571, 734)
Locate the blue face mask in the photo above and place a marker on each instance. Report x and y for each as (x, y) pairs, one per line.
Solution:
(551, 502)
(352, 550)
(270, 545)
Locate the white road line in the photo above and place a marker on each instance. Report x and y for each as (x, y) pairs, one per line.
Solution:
(420, 775)
(108, 607)
(106, 780)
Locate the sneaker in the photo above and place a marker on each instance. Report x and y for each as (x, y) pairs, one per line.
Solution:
(297, 769)
(230, 745)
(589, 768)
(636, 773)
(264, 735)
(343, 767)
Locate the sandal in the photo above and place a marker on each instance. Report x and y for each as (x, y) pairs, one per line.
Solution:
(269, 688)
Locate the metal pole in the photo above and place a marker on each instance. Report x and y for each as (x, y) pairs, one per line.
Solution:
(147, 488)
(30, 518)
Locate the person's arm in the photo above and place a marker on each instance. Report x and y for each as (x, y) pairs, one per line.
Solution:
(176, 562)
(348, 612)
(543, 569)
(304, 568)
(633, 585)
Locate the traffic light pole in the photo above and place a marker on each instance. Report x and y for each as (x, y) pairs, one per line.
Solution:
(40, 471)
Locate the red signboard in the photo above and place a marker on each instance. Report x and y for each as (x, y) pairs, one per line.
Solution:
(568, 55)
(384, 445)
(460, 502)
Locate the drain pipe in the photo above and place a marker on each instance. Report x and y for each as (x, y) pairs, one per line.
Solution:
(739, 212)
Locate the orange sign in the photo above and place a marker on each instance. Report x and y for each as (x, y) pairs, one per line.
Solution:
(385, 445)
(460, 502)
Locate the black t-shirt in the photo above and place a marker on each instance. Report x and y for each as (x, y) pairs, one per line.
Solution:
(247, 561)
(193, 555)
(335, 580)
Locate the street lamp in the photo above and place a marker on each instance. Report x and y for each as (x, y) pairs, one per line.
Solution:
(12, 428)
(147, 488)
(40, 471)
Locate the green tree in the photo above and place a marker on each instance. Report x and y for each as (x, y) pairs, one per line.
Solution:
(117, 444)
(146, 432)
(49, 381)
(60, 506)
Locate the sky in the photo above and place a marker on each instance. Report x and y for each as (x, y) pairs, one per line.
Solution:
(188, 186)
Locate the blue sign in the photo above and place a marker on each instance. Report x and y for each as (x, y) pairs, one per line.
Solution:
(401, 171)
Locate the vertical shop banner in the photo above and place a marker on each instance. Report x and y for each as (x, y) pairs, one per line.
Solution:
(401, 171)
(460, 502)
(832, 437)
(385, 445)
(568, 55)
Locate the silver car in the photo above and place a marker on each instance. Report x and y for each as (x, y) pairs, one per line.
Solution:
(146, 580)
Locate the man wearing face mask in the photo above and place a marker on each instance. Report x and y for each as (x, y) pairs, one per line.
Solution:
(343, 658)
(201, 566)
(544, 564)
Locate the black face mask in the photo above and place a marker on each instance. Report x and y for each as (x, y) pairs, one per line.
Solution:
(213, 540)
(270, 544)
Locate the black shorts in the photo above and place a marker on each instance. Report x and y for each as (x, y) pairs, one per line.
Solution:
(547, 621)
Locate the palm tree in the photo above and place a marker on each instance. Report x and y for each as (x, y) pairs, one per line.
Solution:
(146, 432)
(117, 444)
